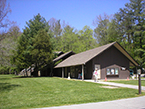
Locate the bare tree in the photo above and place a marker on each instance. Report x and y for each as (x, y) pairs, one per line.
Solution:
(4, 10)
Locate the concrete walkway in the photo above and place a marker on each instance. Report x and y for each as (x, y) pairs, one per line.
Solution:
(118, 84)
(130, 103)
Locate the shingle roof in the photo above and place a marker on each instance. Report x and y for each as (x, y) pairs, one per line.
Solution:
(83, 57)
(62, 56)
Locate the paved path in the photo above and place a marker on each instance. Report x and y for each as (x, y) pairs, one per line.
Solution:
(119, 84)
(130, 103)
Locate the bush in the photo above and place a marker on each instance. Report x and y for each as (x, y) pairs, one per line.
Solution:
(13, 70)
(4, 69)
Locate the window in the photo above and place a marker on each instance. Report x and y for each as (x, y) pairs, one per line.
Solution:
(116, 71)
(112, 71)
(108, 71)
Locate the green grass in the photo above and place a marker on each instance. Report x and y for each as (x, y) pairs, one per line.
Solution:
(131, 82)
(16, 92)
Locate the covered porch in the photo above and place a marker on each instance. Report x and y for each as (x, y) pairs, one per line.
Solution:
(73, 72)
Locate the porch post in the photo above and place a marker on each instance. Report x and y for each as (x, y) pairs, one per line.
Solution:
(82, 72)
(62, 72)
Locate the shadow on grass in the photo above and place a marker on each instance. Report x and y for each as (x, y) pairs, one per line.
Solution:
(5, 78)
(7, 86)
(30, 76)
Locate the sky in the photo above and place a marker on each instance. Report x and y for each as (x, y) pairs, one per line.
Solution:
(76, 13)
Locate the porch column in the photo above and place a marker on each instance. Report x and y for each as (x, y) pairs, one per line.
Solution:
(62, 72)
(82, 72)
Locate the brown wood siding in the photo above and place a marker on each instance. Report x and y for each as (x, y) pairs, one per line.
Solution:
(89, 70)
(112, 58)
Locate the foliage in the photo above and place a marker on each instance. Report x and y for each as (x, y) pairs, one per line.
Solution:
(7, 44)
(76, 41)
(32, 48)
(139, 34)
(130, 21)
(17, 92)
(100, 32)
(4, 69)
(127, 27)
(86, 39)
(42, 49)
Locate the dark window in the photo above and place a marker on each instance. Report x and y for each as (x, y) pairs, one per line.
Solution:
(112, 71)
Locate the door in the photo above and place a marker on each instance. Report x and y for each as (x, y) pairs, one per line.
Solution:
(98, 70)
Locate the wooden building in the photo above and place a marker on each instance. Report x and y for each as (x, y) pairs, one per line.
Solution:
(111, 60)
(60, 58)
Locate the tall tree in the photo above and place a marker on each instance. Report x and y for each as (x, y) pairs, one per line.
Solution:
(8, 44)
(77, 41)
(86, 40)
(100, 32)
(42, 50)
(130, 25)
(55, 27)
(125, 24)
(55, 30)
(24, 56)
(138, 9)
(68, 39)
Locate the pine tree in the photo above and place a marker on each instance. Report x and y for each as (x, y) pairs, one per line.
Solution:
(28, 45)
(138, 8)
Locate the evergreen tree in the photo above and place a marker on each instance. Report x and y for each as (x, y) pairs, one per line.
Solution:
(42, 50)
(27, 44)
(130, 22)
(138, 8)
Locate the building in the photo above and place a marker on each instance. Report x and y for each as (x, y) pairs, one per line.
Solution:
(111, 60)
(60, 58)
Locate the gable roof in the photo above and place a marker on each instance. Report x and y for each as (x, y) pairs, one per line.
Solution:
(83, 57)
(63, 56)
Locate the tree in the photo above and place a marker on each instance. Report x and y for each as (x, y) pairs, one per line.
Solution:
(77, 41)
(42, 50)
(130, 22)
(125, 24)
(68, 40)
(28, 45)
(138, 8)
(7, 45)
(55, 30)
(86, 40)
(4, 10)
(55, 27)
(100, 32)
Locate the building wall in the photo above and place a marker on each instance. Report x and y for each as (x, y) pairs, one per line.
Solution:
(89, 70)
(112, 58)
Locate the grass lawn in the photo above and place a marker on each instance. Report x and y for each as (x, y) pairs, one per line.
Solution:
(132, 82)
(16, 92)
